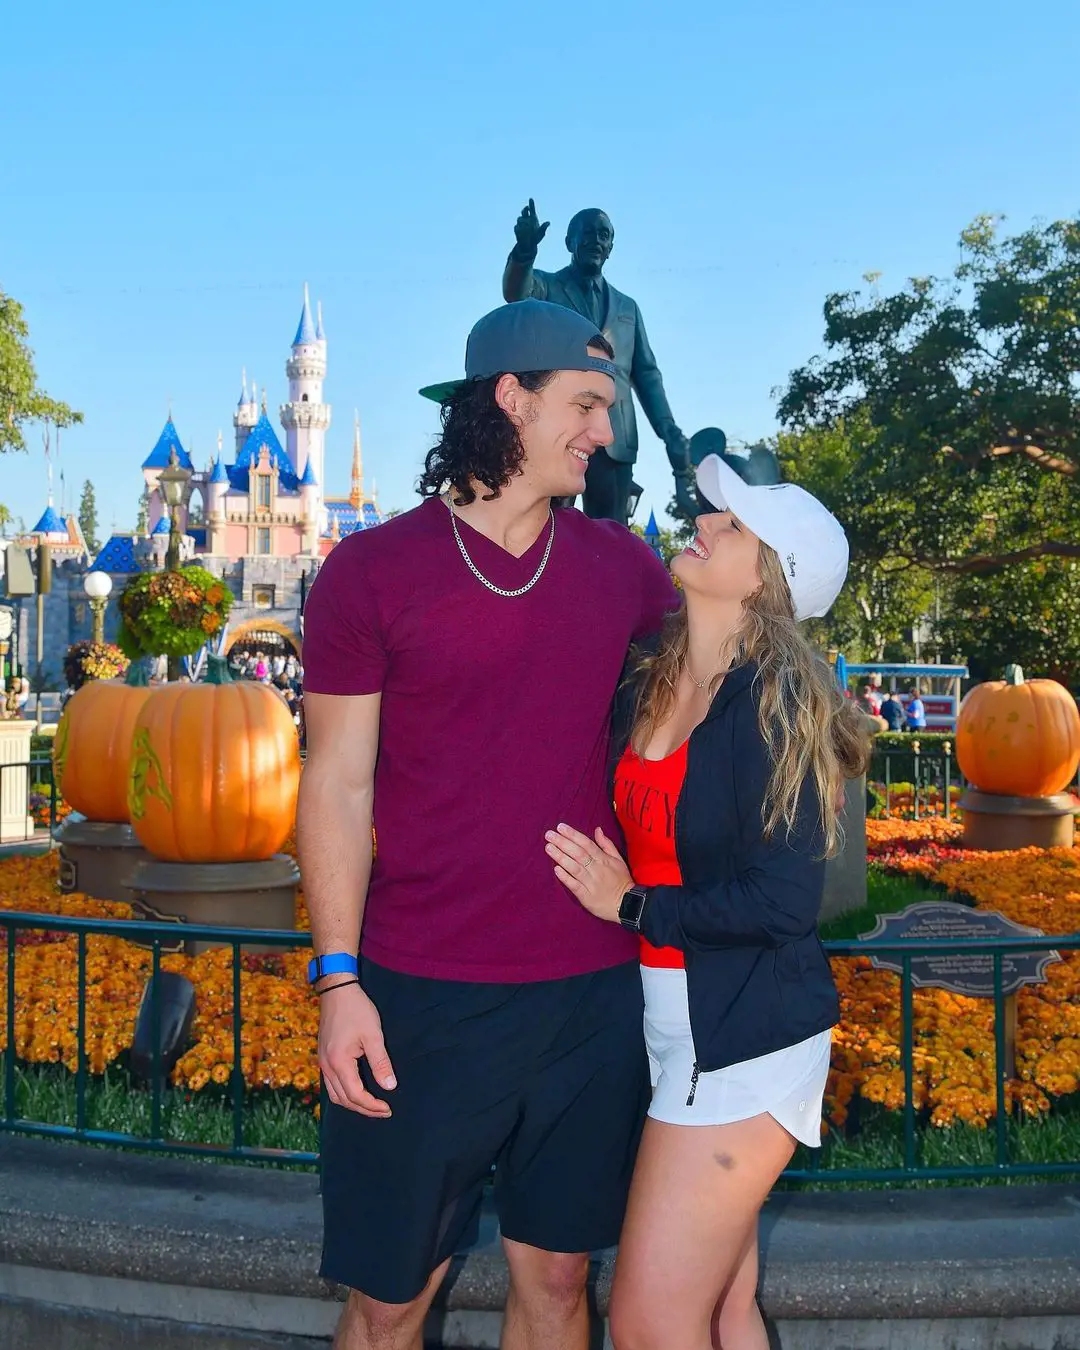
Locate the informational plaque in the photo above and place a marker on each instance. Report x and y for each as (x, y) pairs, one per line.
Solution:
(970, 973)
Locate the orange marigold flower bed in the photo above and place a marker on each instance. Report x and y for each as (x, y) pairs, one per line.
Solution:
(954, 1036)
(954, 1049)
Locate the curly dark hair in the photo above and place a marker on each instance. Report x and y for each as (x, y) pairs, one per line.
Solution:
(479, 443)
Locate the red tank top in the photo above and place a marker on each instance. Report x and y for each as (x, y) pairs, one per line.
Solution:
(646, 791)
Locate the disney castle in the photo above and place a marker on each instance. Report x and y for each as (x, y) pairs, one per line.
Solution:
(262, 522)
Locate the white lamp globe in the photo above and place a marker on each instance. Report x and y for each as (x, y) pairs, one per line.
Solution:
(97, 585)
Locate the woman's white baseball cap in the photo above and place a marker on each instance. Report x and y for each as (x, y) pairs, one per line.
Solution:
(810, 541)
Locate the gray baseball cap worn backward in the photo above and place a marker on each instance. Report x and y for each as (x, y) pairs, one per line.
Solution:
(524, 336)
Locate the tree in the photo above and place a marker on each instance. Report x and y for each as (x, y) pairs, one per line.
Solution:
(21, 400)
(962, 402)
(142, 525)
(1025, 615)
(88, 517)
(5, 518)
(885, 595)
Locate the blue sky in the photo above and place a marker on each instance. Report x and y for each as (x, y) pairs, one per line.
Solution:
(175, 173)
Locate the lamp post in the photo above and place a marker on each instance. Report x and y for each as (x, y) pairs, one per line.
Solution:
(632, 499)
(172, 482)
(98, 587)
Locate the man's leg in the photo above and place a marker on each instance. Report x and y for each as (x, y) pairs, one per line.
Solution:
(546, 1308)
(561, 1183)
(367, 1324)
(607, 488)
(401, 1195)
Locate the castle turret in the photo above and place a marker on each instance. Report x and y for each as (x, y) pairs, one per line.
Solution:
(246, 415)
(306, 417)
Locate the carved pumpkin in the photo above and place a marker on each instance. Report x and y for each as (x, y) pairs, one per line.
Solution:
(215, 770)
(1019, 737)
(92, 749)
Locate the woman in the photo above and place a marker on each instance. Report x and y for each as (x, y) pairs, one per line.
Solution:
(733, 741)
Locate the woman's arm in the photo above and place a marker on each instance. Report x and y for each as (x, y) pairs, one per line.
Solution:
(775, 894)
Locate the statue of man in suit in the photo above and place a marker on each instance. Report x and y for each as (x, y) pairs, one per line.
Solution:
(581, 286)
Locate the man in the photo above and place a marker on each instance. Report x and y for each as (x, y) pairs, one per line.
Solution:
(892, 710)
(460, 663)
(916, 710)
(581, 287)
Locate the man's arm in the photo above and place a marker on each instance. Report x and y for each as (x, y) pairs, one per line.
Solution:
(333, 833)
(649, 386)
(520, 282)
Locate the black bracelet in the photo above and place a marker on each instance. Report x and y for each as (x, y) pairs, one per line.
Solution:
(342, 984)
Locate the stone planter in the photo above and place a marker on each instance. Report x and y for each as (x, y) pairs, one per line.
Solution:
(16, 822)
(98, 858)
(996, 823)
(226, 895)
(845, 875)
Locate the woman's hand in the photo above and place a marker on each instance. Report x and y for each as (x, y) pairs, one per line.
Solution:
(592, 871)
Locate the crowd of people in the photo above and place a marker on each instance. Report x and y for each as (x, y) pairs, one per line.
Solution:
(890, 709)
(283, 673)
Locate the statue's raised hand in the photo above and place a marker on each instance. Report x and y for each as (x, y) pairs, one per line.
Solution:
(528, 229)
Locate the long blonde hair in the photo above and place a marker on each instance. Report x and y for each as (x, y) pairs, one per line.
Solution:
(809, 728)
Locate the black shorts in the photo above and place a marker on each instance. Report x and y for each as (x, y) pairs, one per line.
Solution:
(547, 1082)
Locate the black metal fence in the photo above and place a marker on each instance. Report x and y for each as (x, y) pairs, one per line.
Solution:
(163, 936)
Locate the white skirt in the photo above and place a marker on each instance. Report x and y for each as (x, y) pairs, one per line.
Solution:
(788, 1084)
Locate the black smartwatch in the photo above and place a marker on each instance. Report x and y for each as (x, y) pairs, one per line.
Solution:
(632, 908)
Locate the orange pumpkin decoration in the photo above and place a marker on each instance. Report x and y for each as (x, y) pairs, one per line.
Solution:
(1019, 737)
(92, 749)
(214, 771)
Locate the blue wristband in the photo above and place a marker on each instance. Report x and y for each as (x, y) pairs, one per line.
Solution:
(336, 963)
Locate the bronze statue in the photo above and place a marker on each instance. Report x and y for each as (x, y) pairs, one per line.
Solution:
(581, 286)
(11, 700)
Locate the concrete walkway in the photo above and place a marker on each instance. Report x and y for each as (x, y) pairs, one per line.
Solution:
(102, 1248)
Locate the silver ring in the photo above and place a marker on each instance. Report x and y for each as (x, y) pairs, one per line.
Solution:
(588, 859)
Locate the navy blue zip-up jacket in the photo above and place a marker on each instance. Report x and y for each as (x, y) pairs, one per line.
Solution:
(745, 917)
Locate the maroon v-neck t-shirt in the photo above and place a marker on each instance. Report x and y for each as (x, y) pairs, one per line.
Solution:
(495, 719)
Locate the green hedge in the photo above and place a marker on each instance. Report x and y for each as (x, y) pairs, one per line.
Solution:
(901, 740)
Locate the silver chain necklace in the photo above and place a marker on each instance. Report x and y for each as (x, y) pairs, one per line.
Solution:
(498, 590)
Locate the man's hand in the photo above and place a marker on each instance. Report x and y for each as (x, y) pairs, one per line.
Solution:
(528, 230)
(350, 1029)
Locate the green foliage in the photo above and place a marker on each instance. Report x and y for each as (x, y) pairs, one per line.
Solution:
(172, 613)
(142, 525)
(961, 403)
(885, 595)
(88, 521)
(21, 400)
(903, 740)
(1026, 615)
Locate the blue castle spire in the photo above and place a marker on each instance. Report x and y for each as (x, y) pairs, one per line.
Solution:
(50, 523)
(308, 478)
(219, 475)
(652, 536)
(158, 458)
(305, 331)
